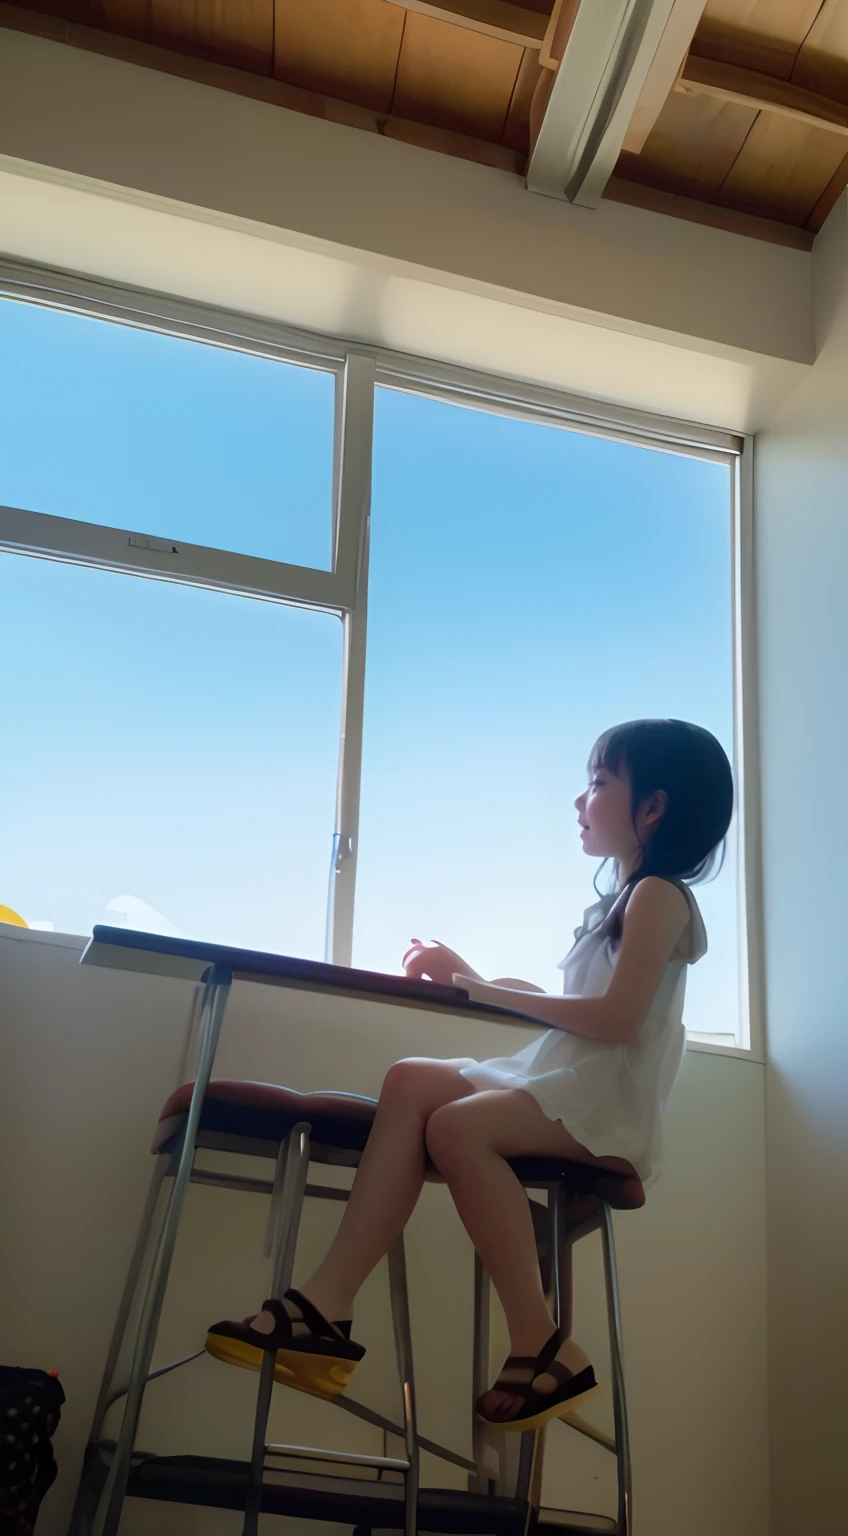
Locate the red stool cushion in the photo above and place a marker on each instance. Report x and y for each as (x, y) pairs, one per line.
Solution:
(623, 1191)
(265, 1112)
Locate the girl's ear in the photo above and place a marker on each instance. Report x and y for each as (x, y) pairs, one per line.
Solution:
(656, 805)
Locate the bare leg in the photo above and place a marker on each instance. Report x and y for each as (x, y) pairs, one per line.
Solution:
(469, 1143)
(388, 1180)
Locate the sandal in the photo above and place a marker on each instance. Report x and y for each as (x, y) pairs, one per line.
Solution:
(539, 1407)
(311, 1354)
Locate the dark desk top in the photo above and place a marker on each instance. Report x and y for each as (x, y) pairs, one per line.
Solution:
(155, 954)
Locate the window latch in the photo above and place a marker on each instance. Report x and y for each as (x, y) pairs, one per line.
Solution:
(141, 541)
(342, 849)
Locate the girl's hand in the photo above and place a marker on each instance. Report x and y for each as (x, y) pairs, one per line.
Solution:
(435, 962)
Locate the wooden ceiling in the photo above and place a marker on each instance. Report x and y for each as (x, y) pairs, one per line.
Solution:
(758, 119)
(744, 124)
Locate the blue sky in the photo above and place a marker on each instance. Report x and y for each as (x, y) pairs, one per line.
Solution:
(529, 587)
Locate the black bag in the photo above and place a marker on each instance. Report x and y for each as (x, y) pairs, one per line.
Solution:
(30, 1404)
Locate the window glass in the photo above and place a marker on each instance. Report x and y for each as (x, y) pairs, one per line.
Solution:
(110, 424)
(529, 587)
(169, 757)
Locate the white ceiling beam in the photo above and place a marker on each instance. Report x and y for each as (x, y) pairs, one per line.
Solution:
(606, 62)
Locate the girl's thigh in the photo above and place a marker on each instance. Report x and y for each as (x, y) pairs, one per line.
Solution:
(510, 1122)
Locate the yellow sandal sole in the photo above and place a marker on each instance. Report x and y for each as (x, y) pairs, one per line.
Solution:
(323, 1376)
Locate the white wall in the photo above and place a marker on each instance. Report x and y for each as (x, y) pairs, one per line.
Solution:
(204, 193)
(89, 1057)
(191, 143)
(802, 565)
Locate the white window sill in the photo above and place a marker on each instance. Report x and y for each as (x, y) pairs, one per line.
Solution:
(717, 1047)
(702, 1043)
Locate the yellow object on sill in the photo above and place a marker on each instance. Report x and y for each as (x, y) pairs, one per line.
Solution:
(8, 916)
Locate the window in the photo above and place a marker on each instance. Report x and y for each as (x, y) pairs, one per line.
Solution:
(157, 434)
(172, 754)
(170, 746)
(197, 732)
(529, 587)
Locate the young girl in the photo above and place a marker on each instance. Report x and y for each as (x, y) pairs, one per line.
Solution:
(592, 1088)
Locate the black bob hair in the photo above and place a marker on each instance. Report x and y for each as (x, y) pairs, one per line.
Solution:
(692, 767)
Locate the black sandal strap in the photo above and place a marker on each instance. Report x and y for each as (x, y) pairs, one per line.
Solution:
(570, 1386)
(550, 1351)
(515, 1362)
(316, 1322)
(506, 1383)
(543, 1364)
(314, 1325)
(315, 1335)
(540, 1402)
(282, 1318)
(537, 1365)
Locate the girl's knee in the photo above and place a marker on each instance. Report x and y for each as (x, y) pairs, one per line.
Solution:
(409, 1080)
(449, 1134)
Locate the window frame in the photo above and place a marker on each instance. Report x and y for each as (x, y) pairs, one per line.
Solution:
(343, 590)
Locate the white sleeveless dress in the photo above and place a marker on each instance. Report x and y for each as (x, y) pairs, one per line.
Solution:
(610, 1097)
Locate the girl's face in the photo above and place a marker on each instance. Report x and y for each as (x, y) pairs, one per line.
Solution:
(607, 830)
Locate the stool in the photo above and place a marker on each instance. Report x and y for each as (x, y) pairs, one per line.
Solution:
(295, 1129)
(581, 1199)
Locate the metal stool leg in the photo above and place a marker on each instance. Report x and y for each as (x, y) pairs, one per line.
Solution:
(512, 1469)
(552, 1230)
(108, 1515)
(479, 1369)
(518, 1466)
(113, 1375)
(622, 1438)
(403, 1350)
(562, 1291)
(115, 1372)
(284, 1222)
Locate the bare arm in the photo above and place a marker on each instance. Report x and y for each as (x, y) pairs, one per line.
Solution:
(515, 986)
(588, 1016)
(655, 918)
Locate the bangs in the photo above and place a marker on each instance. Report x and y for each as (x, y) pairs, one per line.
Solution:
(609, 750)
